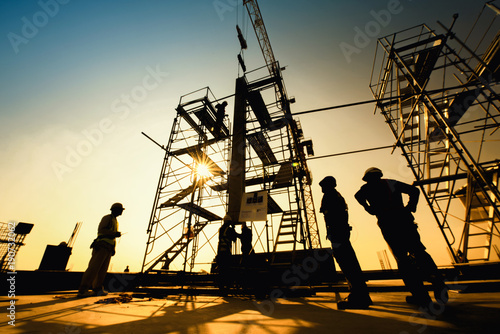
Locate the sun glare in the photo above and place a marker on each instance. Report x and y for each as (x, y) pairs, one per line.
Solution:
(203, 171)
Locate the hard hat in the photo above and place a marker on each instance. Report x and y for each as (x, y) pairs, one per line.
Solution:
(372, 171)
(227, 218)
(328, 181)
(116, 206)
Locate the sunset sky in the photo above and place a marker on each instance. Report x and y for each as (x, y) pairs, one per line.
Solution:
(80, 80)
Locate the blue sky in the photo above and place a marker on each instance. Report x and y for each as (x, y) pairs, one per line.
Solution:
(76, 72)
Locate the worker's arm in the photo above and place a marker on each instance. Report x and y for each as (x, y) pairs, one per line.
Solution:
(413, 192)
(361, 198)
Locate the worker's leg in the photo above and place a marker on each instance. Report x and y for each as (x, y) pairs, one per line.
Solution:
(407, 266)
(101, 273)
(99, 255)
(349, 264)
(423, 259)
(224, 271)
(427, 266)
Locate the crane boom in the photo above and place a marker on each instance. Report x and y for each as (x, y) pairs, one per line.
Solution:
(261, 33)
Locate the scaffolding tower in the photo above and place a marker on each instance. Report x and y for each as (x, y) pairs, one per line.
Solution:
(262, 157)
(12, 237)
(191, 191)
(440, 97)
(275, 162)
(298, 143)
(207, 170)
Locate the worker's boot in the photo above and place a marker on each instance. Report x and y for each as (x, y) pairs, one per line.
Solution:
(440, 291)
(84, 294)
(100, 292)
(423, 301)
(355, 302)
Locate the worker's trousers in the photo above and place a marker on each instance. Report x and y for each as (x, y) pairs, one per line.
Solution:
(414, 263)
(94, 276)
(346, 258)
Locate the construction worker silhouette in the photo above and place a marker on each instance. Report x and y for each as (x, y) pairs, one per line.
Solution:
(383, 198)
(334, 209)
(246, 243)
(103, 248)
(227, 235)
(219, 118)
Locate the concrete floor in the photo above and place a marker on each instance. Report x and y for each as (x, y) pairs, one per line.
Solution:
(65, 314)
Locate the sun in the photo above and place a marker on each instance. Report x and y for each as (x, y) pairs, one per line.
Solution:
(203, 171)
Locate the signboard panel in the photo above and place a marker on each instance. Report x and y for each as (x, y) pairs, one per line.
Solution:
(254, 206)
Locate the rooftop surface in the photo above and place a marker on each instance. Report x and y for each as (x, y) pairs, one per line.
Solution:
(63, 313)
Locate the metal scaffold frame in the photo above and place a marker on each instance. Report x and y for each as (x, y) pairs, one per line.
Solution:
(263, 154)
(276, 156)
(274, 162)
(12, 237)
(188, 201)
(295, 132)
(440, 98)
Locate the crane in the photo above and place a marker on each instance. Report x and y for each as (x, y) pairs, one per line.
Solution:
(260, 31)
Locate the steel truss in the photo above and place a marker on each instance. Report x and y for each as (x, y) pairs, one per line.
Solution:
(12, 237)
(439, 97)
(188, 209)
(264, 153)
(281, 163)
(189, 202)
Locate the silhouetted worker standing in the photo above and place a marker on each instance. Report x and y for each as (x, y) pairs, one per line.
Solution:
(335, 212)
(219, 117)
(103, 248)
(246, 243)
(227, 235)
(383, 198)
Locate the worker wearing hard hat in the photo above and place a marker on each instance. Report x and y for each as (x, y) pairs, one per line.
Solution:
(334, 209)
(383, 199)
(103, 248)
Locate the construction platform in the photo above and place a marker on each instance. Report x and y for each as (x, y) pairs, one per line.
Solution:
(475, 312)
(193, 304)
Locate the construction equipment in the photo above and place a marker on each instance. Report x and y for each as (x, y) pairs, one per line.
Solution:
(187, 199)
(263, 151)
(73, 236)
(56, 257)
(308, 213)
(12, 237)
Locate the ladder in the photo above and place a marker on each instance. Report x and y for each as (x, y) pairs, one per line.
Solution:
(437, 102)
(481, 220)
(286, 236)
(177, 248)
(190, 192)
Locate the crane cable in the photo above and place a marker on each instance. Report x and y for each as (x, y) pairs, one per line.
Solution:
(353, 104)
